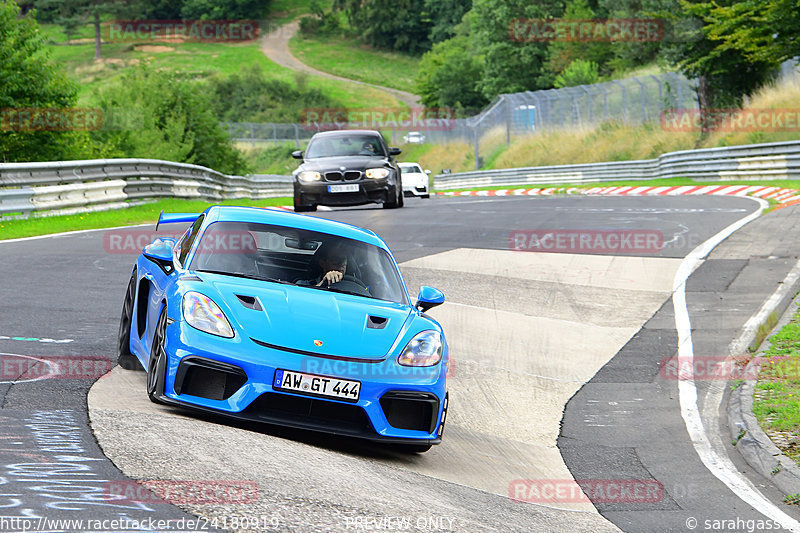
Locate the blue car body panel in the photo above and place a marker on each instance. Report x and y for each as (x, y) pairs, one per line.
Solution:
(279, 333)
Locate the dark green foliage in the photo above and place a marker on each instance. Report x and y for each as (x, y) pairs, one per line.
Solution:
(449, 75)
(31, 80)
(165, 117)
(224, 9)
(250, 96)
(401, 25)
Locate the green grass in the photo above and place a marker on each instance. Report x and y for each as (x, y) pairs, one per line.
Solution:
(777, 400)
(199, 60)
(363, 63)
(138, 214)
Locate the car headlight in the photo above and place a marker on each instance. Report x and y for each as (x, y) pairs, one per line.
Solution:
(425, 349)
(202, 313)
(309, 175)
(377, 173)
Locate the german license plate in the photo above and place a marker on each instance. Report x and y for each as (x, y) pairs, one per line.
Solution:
(313, 385)
(350, 187)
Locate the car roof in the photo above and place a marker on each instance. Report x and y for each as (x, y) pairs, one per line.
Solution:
(260, 215)
(336, 133)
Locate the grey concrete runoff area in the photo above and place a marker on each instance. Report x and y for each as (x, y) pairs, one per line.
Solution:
(558, 390)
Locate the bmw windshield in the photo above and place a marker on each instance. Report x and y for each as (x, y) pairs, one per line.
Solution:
(305, 258)
(344, 146)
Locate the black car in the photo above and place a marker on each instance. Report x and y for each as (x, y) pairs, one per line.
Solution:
(347, 167)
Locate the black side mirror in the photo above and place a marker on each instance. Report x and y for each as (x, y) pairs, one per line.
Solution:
(297, 154)
(395, 151)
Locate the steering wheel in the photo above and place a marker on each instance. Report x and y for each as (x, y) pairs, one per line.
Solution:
(350, 279)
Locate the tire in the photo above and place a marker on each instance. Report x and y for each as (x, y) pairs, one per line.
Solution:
(125, 358)
(396, 202)
(426, 196)
(157, 367)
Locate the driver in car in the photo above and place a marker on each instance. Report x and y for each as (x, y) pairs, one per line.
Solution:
(368, 149)
(333, 265)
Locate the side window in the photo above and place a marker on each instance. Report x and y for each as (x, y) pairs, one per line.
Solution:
(186, 242)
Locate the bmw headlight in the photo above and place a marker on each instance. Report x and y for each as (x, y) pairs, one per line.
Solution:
(425, 349)
(309, 175)
(377, 173)
(202, 313)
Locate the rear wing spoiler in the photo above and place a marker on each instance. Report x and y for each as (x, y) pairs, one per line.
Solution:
(170, 218)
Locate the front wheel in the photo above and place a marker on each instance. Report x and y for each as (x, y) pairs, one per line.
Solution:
(125, 358)
(157, 369)
(396, 201)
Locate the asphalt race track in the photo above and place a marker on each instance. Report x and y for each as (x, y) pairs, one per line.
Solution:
(556, 378)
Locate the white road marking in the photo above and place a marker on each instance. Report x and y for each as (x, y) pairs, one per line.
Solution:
(718, 464)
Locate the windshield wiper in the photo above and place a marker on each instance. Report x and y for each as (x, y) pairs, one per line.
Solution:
(246, 276)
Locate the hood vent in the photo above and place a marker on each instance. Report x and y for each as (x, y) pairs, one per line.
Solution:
(376, 322)
(250, 302)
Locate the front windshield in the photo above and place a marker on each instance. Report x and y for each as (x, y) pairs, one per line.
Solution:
(345, 145)
(305, 258)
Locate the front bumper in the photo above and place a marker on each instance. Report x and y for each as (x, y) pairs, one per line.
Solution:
(369, 191)
(234, 377)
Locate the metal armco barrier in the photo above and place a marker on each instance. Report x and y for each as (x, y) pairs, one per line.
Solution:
(73, 186)
(772, 161)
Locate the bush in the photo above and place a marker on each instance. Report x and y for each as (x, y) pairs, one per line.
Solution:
(579, 72)
(250, 96)
(170, 118)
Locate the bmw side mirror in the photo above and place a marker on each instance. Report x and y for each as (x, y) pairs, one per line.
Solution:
(428, 172)
(428, 298)
(395, 151)
(297, 154)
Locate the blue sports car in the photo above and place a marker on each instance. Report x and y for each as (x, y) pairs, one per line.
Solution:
(287, 319)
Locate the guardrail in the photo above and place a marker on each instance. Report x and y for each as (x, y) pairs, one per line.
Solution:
(772, 161)
(65, 187)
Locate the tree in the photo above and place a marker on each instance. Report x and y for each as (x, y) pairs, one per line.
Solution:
(511, 64)
(449, 76)
(445, 16)
(172, 120)
(30, 80)
(761, 30)
(224, 9)
(401, 25)
(724, 75)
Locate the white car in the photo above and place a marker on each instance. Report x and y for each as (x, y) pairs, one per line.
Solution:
(415, 180)
(413, 137)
